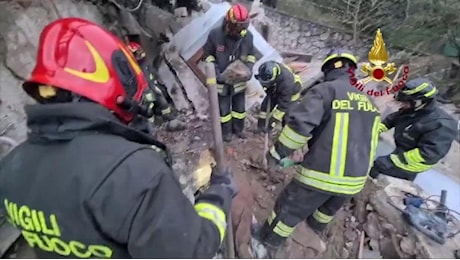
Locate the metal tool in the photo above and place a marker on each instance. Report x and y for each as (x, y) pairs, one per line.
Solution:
(267, 132)
(219, 147)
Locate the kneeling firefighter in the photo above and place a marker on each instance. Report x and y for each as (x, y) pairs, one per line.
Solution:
(226, 44)
(339, 157)
(154, 96)
(282, 87)
(96, 187)
(423, 134)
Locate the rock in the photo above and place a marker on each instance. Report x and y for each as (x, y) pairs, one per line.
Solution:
(176, 125)
(369, 207)
(372, 226)
(351, 235)
(387, 249)
(345, 253)
(407, 245)
(349, 245)
(368, 254)
(374, 245)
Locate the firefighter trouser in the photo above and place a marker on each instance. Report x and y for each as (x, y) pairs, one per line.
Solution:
(232, 113)
(162, 108)
(295, 204)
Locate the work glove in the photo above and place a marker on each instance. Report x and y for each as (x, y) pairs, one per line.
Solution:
(381, 165)
(225, 180)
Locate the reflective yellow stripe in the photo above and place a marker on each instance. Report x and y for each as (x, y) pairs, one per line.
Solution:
(282, 229)
(214, 214)
(339, 144)
(277, 114)
(297, 79)
(321, 217)
(295, 97)
(414, 155)
(417, 89)
(251, 58)
(430, 93)
(274, 153)
(271, 217)
(149, 97)
(324, 181)
(151, 76)
(238, 115)
(211, 81)
(414, 167)
(152, 119)
(291, 139)
(239, 87)
(151, 105)
(166, 111)
(210, 58)
(262, 115)
(226, 118)
(374, 140)
(382, 128)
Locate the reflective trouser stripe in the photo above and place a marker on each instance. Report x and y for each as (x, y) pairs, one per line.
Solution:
(210, 58)
(277, 114)
(166, 111)
(220, 88)
(211, 81)
(226, 118)
(374, 140)
(214, 214)
(321, 217)
(262, 115)
(280, 228)
(339, 144)
(295, 97)
(238, 115)
(414, 156)
(324, 181)
(292, 139)
(382, 128)
(239, 87)
(414, 167)
(251, 58)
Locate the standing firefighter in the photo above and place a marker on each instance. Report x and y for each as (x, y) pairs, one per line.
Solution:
(340, 126)
(85, 184)
(424, 132)
(154, 97)
(282, 87)
(226, 44)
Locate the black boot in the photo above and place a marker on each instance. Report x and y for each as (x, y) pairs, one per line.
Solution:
(227, 138)
(240, 135)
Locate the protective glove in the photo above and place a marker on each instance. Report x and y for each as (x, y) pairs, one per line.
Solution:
(225, 180)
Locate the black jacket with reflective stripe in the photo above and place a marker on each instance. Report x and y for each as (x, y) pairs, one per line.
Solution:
(341, 126)
(284, 89)
(101, 189)
(431, 129)
(226, 50)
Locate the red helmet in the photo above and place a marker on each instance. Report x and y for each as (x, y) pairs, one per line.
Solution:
(81, 57)
(237, 20)
(136, 50)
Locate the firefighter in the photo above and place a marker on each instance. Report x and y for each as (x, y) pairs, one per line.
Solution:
(282, 87)
(424, 132)
(154, 96)
(87, 185)
(224, 45)
(340, 126)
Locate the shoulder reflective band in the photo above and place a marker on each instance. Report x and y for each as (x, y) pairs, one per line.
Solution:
(339, 144)
(374, 140)
(214, 214)
(321, 217)
(292, 139)
(414, 167)
(382, 128)
(211, 81)
(277, 114)
(210, 58)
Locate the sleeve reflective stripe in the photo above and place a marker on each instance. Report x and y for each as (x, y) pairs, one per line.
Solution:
(321, 217)
(149, 97)
(277, 114)
(274, 153)
(271, 217)
(210, 58)
(214, 214)
(382, 128)
(374, 140)
(262, 115)
(291, 139)
(166, 111)
(339, 144)
(297, 79)
(226, 118)
(414, 167)
(238, 115)
(251, 58)
(295, 97)
(327, 182)
(211, 81)
(414, 155)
